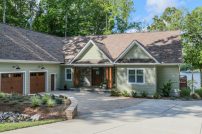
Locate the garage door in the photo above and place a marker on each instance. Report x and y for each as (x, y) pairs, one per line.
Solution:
(12, 83)
(37, 82)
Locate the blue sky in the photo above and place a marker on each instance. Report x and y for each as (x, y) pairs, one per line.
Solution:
(146, 9)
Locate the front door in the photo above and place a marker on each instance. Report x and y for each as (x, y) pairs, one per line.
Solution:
(52, 82)
(96, 76)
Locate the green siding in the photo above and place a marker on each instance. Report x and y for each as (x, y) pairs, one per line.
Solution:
(69, 84)
(136, 53)
(92, 52)
(26, 68)
(150, 79)
(166, 73)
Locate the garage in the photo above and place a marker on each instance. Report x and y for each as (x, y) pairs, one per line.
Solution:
(37, 82)
(12, 83)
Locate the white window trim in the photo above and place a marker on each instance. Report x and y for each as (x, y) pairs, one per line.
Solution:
(135, 75)
(66, 74)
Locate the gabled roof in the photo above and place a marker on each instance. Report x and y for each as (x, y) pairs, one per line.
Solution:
(92, 61)
(164, 47)
(152, 59)
(20, 44)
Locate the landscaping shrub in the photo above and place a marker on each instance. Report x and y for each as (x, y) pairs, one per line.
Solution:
(36, 101)
(195, 96)
(116, 92)
(165, 91)
(199, 92)
(185, 93)
(53, 96)
(59, 100)
(156, 95)
(134, 94)
(45, 98)
(144, 94)
(125, 93)
(51, 102)
(2, 95)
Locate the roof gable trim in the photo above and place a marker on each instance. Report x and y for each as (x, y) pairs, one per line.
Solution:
(86, 47)
(131, 46)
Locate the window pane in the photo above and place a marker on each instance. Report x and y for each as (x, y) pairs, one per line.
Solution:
(68, 74)
(131, 71)
(140, 79)
(69, 77)
(131, 78)
(139, 72)
(68, 71)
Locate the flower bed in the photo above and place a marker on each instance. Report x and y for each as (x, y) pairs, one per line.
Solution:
(34, 107)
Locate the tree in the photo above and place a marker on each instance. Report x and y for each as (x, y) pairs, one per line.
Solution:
(81, 17)
(17, 12)
(192, 39)
(171, 19)
(68, 17)
(121, 11)
(4, 11)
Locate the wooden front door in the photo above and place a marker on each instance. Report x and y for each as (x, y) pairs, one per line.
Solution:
(52, 82)
(12, 83)
(97, 76)
(76, 78)
(37, 82)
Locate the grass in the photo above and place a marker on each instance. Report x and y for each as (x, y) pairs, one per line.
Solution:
(13, 126)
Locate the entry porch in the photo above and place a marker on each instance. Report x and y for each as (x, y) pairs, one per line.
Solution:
(102, 77)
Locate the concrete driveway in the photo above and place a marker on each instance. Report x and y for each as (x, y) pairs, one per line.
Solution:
(129, 116)
(92, 102)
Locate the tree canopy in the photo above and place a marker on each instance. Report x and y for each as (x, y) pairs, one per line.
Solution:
(171, 19)
(73, 17)
(192, 39)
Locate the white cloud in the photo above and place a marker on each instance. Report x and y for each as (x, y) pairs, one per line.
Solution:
(156, 7)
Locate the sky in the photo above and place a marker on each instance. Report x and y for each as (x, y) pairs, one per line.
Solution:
(146, 9)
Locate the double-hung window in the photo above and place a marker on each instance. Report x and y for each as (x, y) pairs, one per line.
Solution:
(68, 74)
(135, 75)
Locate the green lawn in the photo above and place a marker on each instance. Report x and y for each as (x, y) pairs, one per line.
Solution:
(13, 126)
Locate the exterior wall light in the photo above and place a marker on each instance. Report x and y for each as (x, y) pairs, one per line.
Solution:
(41, 67)
(16, 67)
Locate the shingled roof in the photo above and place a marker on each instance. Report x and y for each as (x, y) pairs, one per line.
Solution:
(20, 44)
(165, 47)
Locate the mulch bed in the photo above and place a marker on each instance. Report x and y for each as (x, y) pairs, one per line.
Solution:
(24, 107)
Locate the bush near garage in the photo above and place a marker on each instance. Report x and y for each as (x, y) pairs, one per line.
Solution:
(199, 92)
(185, 92)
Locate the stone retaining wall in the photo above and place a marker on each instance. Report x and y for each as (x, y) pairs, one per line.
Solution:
(71, 111)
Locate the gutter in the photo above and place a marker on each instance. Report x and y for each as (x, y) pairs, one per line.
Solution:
(29, 61)
(124, 64)
(89, 65)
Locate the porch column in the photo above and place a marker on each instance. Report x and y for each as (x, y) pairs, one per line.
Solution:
(76, 79)
(110, 78)
(107, 75)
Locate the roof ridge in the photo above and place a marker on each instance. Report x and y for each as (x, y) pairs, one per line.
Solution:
(149, 32)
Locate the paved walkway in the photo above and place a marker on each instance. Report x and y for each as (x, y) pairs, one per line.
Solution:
(93, 102)
(134, 116)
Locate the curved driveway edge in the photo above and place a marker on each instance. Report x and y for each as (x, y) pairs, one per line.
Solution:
(71, 111)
